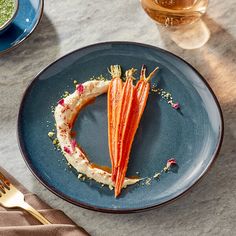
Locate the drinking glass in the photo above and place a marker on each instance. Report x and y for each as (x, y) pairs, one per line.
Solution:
(175, 12)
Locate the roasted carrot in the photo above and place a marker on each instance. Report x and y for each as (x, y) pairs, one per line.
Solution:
(113, 100)
(123, 117)
(140, 96)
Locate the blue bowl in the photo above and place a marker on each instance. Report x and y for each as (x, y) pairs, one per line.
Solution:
(192, 135)
(24, 23)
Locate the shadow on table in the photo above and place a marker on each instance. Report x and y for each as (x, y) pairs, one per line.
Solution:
(43, 41)
(219, 39)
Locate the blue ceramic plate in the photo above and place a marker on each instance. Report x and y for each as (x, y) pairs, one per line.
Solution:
(192, 135)
(28, 16)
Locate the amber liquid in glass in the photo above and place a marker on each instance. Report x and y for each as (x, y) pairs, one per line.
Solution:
(174, 12)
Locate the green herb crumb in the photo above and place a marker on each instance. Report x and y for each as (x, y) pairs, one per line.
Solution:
(65, 94)
(148, 181)
(99, 78)
(165, 169)
(80, 176)
(51, 134)
(55, 141)
(157, 176)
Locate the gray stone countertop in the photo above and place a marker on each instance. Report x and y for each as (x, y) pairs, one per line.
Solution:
(210, 207)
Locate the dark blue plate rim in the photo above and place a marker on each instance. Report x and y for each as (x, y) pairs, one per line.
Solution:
(29, 34)
(111, 210)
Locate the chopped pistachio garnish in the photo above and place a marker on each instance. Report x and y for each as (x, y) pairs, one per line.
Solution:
(157, 176)
(52, 109)
(51, 134)
(55, 141)
(148, 181)
(66, 94)
(100, 78)
(165, 169)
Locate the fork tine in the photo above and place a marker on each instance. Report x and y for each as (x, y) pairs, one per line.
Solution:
(2, 189)
(4, 180)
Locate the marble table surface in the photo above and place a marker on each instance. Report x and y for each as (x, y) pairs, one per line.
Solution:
(210, 207)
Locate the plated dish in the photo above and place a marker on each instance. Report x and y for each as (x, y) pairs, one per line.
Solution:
(192, 135)
(125, 106)
(26, 19)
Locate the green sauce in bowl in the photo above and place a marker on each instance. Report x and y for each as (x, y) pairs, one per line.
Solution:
(7, 9)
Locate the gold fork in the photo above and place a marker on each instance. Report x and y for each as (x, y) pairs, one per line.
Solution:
(11, 197)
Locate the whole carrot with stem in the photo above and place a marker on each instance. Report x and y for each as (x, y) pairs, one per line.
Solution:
(140, 96)
(123, 114)
(113, 100)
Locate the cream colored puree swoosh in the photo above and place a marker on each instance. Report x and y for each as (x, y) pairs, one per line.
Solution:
(65, 113)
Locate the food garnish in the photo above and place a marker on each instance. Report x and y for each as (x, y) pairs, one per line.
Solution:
(166, 96)
(67, 150)
(170, 162)
(80, 88)
(51, 134)
(61, 102)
